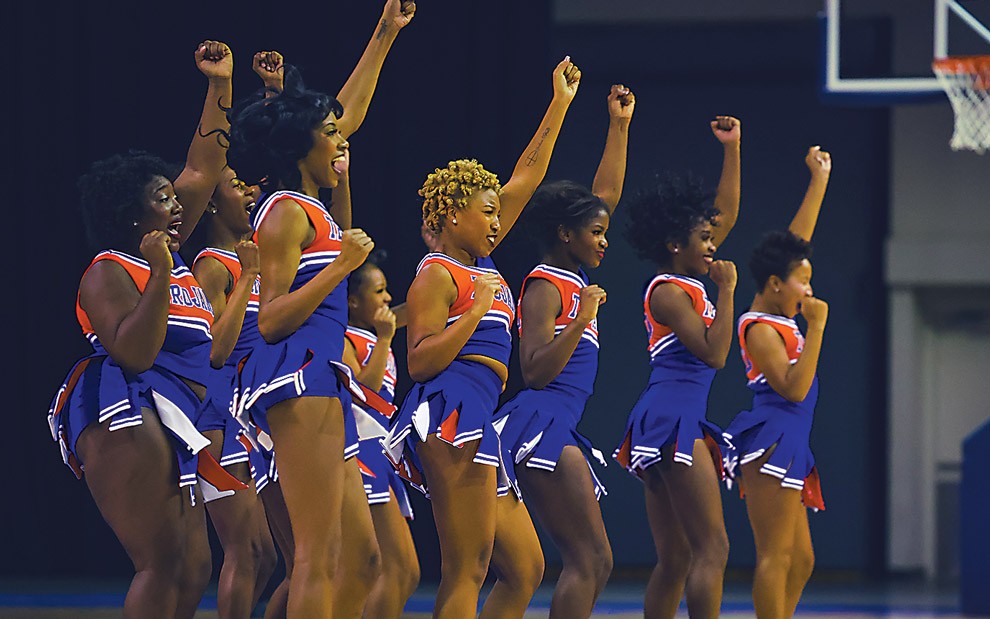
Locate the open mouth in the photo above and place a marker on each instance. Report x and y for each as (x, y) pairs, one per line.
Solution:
(601, 255)
(340, 164)
(249, 206)
(173, 229)
(709, 258)
(491, 239)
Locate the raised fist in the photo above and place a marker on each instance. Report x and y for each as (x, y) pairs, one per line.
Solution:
(354, 248)
(566, 79)
(819, 162)
(247, 254)
(815, 311)
(726, 129)
(621, 102)
(384, 322)
(155, 249)
(723, 273)
(591, 297)
(214, 59)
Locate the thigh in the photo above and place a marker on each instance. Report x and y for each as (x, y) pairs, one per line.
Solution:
(668, 535)
(133, 476)
(564, 501)
(277, 515)
(462, 493)
(774, 512)
(308, 435)
(694, 494)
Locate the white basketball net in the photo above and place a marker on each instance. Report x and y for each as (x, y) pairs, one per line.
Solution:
(966, 80)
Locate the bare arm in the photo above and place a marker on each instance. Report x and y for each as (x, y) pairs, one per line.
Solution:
(373, 373)
(281, 237)
(767, 350)
(532, 165)
(130, 325)
(611, 172)
(671, 306)
(541, 355)
(207, 153)
(340, 208)
(356, 94)
(228, 313)
(432, 343)
(820, 164)
(728, 131)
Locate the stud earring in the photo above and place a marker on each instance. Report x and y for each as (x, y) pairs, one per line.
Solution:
(776, 289)
(454, 221)
(567, 240)
(213, 210)
(676, 250)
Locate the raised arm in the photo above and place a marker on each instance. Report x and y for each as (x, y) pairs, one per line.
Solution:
(532, 165)
(356, 94)
(131, 325)
(340, 207)
(820, 164)
(271, 69)
(728, 131)
(228, 312)
(766, 348)
(207, 153)
(612, 170)
(671, 306)
(281, 237)
(541, 355)
(432, 344)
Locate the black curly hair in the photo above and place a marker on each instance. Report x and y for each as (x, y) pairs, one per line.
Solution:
(358, 276)
(112, 194)
(778, 253)
(666, 212)
(270, 134)
(561, 203)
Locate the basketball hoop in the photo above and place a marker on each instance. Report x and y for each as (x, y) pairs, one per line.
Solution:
(966, 80)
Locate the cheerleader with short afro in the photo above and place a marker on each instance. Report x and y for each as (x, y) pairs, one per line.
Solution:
(447, 190)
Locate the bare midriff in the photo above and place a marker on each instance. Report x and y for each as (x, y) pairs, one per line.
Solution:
(495, 366)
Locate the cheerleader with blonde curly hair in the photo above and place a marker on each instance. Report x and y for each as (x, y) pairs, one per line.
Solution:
(460, 310)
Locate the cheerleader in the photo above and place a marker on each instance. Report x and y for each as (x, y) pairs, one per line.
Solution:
(228, 271)
(293, 388)
(127, 414)
(558, 352)
(770, 442)
(460, 310)
(668, 443)
(368, 352)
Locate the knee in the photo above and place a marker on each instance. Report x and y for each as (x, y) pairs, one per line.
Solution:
(775, 561)
(529, 569)
(409, 575)
(364, 566)
(198, 565)
(593, 563)
(803, 563)
(714, 549)
(265, 557)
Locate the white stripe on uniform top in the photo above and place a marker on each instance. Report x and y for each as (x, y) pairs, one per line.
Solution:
(561, 273)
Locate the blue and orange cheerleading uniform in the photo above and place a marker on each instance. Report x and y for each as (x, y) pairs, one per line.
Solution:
(236, 446)
(458, 403)
(774, 420)
(378, 473)
(307, 361)
(538, 423)
(98, 390)
(671, 411)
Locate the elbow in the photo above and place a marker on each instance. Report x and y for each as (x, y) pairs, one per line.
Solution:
(420, 375)
(136, 365)
(269, 329)
(794, 395)
(716, 363)
(533, 379)
(217, 360)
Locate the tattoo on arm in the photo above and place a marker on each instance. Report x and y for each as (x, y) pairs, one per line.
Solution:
(534, 154)
(382, 29)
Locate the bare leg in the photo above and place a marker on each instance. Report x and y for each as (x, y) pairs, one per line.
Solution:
(564, 501)
(774, 514)
(517, 559)
(278, 520)
(666, 585)
(802, 563)
(400, 566)
(463, 496)
(248, 551)
(308, 434)
(695, 499)
(360, 561)
(132, 476)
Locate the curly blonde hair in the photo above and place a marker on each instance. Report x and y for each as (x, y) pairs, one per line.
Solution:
(451, 187)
